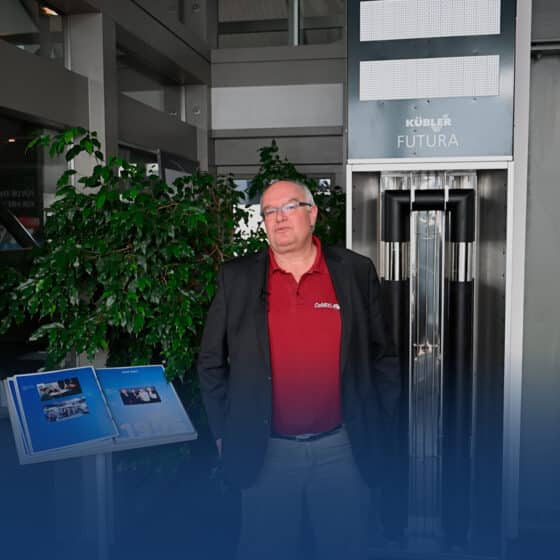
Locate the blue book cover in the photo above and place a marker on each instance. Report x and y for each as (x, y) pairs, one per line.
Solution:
(15, 403)
(62, 408)
(144, 404)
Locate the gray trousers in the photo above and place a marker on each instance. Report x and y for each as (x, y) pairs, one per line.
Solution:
(320, 476)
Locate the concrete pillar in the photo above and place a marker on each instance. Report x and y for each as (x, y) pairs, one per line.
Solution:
(92, 46)
(201, 18)
(92, 52)
(173, 101)
(197, 113)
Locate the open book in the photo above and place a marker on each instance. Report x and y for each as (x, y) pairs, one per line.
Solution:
(81, 411)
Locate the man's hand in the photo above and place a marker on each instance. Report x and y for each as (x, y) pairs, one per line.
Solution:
(219, 446)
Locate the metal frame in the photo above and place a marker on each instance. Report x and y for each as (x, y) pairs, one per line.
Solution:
(514, 292)
(513, 359)
(517, 170)
(416, 164)
(515, 279)
(427, 164)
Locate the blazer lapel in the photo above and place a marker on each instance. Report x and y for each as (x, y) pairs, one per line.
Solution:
(341, 285)
(260, 274)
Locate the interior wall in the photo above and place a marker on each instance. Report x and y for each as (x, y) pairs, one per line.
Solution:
(539, 485)
(546, 20)
(295, 95)
(277, 106)
(144, 126)
(540, 443)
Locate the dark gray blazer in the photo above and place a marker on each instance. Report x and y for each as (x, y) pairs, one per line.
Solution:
(235, 373)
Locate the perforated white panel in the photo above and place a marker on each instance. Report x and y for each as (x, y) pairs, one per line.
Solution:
(464, 76)
(384, 20)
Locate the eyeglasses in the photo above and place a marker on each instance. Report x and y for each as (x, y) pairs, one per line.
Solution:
(286, 209)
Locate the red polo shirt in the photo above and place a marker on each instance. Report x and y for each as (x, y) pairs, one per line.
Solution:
(304, 331)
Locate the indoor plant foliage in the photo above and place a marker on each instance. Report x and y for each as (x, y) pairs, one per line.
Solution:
(129, 263)
(330, 226)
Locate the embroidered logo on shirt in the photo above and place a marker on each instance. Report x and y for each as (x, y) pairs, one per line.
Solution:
(326, 305)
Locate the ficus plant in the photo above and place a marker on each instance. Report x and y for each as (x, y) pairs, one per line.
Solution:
(128, 264)
(330, 226)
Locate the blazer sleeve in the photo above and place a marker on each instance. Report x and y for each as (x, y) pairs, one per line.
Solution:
(212, 365)
(386, 372)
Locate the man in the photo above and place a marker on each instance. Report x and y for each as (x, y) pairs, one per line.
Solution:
(297, 382)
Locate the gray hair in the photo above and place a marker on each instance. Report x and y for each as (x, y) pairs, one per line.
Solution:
(305, 189)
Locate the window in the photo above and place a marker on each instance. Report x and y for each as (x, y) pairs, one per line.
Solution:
(27, 180)
(260, 23)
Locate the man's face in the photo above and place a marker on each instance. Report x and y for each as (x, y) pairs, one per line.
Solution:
(292, 231)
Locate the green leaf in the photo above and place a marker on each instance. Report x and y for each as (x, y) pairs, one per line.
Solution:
(101, 198)
(40, 139)
(87, 145)
(63, 181)
(73, 152)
